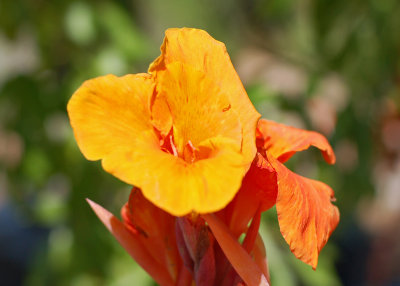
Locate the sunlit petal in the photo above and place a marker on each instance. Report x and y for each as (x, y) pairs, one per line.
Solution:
(179, 187)
(200, 108)
(197, 49)
(107, 114)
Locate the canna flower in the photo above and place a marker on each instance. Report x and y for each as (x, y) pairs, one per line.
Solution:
(183, 133)
(204, 167)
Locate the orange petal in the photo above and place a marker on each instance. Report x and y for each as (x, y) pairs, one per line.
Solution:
(108, 113)
(179, 187)
(112, 121)
(282, 141)
(197, 49)
(132, 245)
(305, 213)
(237, 256)
(199, 107)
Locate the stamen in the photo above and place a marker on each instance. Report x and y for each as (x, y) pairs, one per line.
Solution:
(189, 153)
(173, 147)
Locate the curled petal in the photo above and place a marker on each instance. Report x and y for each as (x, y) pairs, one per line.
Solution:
(197, 49)
(282, 141)
(132, 245)
(306, 214)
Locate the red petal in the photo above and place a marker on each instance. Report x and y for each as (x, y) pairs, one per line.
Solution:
(282, 141)
(305, 213)
(155, 227)
(132, 245)
(259, 188)
(261, 182)
(237, 256)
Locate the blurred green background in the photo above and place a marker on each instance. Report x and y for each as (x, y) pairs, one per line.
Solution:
(328, 66)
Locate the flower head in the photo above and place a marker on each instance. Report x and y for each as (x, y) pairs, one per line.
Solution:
(183, 133)
(186, 136)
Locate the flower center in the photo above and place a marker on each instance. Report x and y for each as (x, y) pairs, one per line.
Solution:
(189, 154)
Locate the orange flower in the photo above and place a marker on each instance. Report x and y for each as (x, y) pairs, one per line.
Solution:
(183, 133)
(186, 136)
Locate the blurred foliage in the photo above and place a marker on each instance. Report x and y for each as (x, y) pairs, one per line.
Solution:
(48, 48)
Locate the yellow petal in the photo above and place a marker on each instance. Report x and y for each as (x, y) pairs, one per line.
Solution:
(107, 113)
(199, 108)
(197, 49)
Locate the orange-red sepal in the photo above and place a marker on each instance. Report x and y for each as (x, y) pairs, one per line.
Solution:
(155, 230)
(132, 244)
(306, 214)
(240, 260)
(282, 141)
